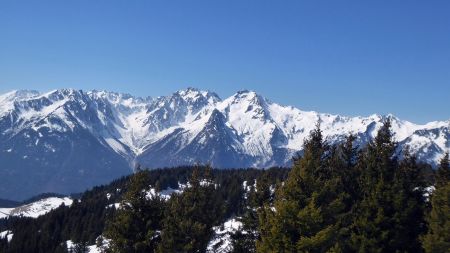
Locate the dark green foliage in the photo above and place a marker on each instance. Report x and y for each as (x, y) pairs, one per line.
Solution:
(437, 238)
(389, 217)
(443, 172)
(259, 193)
(135, 224)
(312, 206)
(187, 226)
(82, 222)
(85, 220)
(336, 198)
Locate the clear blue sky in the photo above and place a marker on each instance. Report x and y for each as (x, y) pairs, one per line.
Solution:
(346, 57)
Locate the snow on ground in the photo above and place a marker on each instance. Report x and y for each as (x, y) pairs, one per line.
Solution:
(71, 246)
(164, 194)
(167, 193)
(115, 205)
(428, 191)
(221, 242)
(6, 234)
(4, 212)
(100, 247)
(37, 208)
(247, 188)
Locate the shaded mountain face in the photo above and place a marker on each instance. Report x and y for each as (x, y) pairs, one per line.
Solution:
(68, 140)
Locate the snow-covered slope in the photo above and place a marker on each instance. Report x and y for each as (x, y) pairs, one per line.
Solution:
(222, 241)
(72, 247)
(37, 208)
(89, 138)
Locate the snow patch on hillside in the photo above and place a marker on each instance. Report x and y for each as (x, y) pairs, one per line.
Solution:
(37, 208)
(221, 241)
(72, 247)
(6, 234)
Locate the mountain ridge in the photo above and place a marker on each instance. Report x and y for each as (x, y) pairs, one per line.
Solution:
(114, 132)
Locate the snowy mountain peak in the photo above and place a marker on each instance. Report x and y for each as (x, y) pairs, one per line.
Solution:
(8, 99)
(18, 94)
(118, 98)
(193, 96)
(250, 101)
(248, 95)
(244, 91)
(63, 93)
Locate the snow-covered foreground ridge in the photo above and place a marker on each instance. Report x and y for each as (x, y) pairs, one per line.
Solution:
(191, 126)
(37, 208)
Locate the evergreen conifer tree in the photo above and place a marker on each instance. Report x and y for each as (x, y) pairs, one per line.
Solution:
(190, 216)
(136, 224)
(443, 172)
(438, 237)
(389, 216)
(258, 195)
(310, 207)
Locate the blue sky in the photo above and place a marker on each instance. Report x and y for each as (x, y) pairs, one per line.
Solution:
(346, 57)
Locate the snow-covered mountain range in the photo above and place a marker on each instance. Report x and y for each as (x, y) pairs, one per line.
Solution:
(67, 140)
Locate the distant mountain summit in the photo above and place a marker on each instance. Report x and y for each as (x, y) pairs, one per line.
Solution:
(68, 140)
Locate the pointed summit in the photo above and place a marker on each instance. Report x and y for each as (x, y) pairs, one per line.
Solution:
(193, 95)
(251, 96)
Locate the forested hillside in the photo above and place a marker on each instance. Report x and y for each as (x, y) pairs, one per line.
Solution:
(335, 198)
(86, 219)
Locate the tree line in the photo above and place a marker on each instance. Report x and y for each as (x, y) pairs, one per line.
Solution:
(335, 198)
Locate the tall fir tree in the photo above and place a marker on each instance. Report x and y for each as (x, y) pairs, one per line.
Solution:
(341, 191)
(135, 226)
(443, 171)
(410, 203)
(310, 206)
(388, 217)
(190, 216)
(258, 195)
(437, 238)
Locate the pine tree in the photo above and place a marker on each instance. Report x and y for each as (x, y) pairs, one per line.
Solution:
(389, 216)
(438, 237)
(410, 203)
(341, 191)
(190, 216)
(443, 172)
(311, 205)
(259, 195)
(136, 224)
